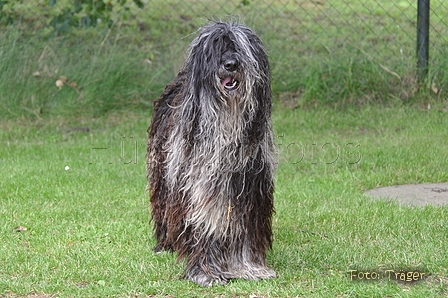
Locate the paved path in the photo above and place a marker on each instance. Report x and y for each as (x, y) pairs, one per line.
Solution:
(413, 194)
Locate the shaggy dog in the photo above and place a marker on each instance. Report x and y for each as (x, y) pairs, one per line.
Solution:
(211, 158)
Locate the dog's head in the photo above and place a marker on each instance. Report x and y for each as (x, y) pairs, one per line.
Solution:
(227, 59)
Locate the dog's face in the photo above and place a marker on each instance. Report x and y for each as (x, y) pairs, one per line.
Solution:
(227, 60)
(230, 75)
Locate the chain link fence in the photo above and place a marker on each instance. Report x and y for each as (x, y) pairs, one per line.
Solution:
(296, 32)
(380, 29)
(300, 32)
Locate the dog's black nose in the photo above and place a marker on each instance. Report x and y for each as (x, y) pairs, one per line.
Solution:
(231, 65)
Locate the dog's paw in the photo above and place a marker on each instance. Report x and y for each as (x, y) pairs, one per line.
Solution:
(265, 273)
(254, 273)
(201, 278)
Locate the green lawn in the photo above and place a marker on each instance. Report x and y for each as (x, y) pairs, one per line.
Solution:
(87, 231)
(349, 116)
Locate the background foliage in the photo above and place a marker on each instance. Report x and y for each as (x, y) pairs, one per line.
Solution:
(87, 56)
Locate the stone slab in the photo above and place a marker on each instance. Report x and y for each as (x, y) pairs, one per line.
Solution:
(413, 194)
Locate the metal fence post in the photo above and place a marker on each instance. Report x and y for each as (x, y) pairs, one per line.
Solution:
(422, 38)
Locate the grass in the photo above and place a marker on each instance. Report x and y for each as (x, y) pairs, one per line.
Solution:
(99, 77)
(348, 116)
(87, 227)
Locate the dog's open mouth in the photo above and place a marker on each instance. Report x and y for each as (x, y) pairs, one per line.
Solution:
(229, 83)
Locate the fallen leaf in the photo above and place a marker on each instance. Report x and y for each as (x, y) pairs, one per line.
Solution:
(59, 83)
(20, 229)
(434, 88)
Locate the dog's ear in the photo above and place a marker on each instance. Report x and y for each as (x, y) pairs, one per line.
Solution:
(201, 67)
(262, 88)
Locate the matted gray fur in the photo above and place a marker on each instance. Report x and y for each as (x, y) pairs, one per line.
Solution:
(211, 158)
